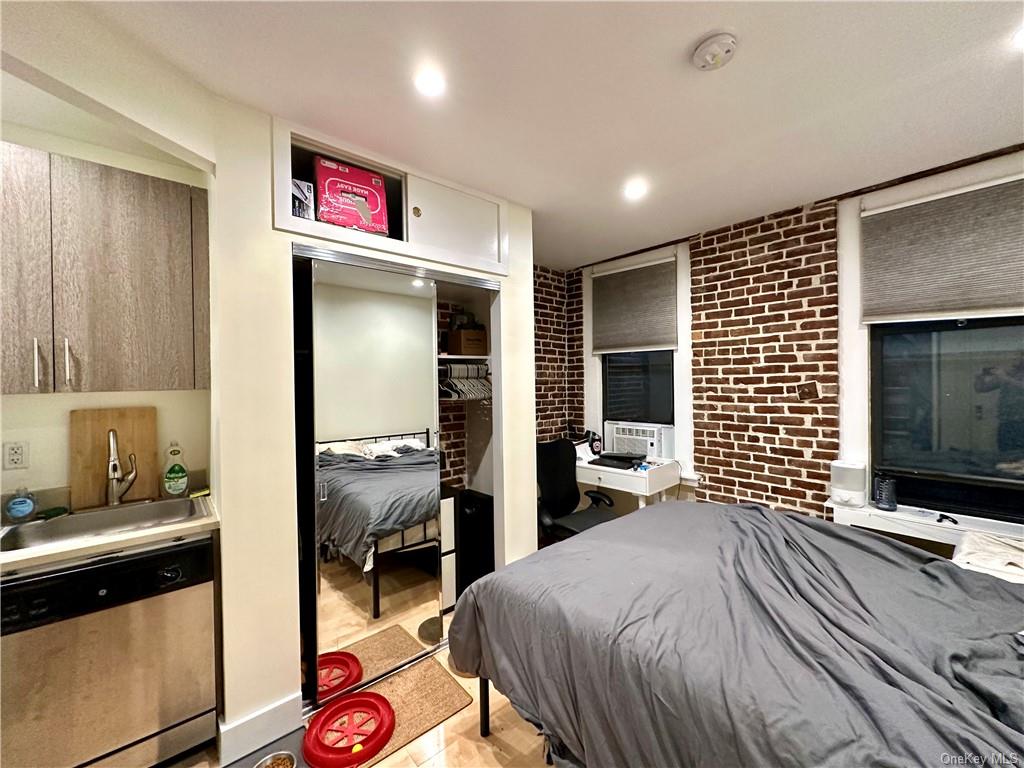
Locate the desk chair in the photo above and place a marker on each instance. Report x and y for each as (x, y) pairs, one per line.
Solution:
(559, 494)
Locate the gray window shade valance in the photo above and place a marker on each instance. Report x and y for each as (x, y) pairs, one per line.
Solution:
(635, 309)
(956, 254)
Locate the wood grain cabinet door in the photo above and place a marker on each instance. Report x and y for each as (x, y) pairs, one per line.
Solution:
(25, 272)
(122, 279)
(201, 285)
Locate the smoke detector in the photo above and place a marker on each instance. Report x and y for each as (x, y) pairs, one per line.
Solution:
(714, 52)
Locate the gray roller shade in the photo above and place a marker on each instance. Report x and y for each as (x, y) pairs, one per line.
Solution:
(956, 254)
(635, 309)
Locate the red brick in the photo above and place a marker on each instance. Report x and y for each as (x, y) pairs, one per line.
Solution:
(757, 349)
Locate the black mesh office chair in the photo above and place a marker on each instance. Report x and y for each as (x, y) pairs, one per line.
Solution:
(559, 494)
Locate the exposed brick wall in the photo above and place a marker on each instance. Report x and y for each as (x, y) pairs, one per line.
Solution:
(765, 323)
(452, 418)
(558, 348)
(453, 442)
(549, 309)
(574, 352)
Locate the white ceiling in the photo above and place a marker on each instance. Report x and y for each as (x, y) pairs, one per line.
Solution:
(554, 105)
(25, 105)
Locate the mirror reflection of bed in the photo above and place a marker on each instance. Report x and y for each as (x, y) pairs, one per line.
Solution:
(378, 536)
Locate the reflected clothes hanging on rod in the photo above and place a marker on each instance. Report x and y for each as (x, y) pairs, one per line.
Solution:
(463, 381)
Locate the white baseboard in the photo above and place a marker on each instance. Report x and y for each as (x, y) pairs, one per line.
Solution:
(246, 734)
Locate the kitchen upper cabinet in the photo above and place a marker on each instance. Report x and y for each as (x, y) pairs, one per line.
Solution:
(201, 286)
(25, 272)
(122, 279)
(452, 220)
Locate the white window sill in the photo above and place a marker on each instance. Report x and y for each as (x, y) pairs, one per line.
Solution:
(921, 523)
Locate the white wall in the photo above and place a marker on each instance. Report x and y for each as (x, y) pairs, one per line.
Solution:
(88, 63)
(513, 374)
(42, 421)
(373, 359)
(252, 395)
(253, 447)
(682, 361)
(854, 341)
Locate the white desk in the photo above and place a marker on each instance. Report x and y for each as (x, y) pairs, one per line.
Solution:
(662, 475)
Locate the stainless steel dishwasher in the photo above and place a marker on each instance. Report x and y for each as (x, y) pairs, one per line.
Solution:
(109, 661)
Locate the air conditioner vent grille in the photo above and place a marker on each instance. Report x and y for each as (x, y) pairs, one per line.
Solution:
(646, 439)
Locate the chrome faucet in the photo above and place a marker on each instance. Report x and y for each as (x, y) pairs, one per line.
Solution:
(117, 482)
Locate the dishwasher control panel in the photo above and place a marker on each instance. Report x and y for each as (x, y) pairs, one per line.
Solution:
(32, 601)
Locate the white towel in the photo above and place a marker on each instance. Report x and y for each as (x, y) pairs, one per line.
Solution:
(998, 555)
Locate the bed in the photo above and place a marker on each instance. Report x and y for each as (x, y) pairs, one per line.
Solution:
(377, 494)
(690, 634)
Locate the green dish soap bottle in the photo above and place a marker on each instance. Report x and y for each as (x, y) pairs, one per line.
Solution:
(175, 476)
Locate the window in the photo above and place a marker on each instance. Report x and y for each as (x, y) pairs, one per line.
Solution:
(947, 404)
(638, 387)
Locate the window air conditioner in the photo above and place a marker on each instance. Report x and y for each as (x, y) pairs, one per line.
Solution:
(652, 440)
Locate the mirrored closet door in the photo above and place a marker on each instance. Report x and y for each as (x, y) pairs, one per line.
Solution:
(368, 470)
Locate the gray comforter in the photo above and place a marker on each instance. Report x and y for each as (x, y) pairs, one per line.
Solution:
(368, 499)
(706, 635)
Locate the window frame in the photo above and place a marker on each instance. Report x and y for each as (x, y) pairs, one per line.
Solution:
(672, 384)
(994, 498)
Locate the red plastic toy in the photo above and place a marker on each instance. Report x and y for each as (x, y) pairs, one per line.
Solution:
(348, 731)
(335, 672)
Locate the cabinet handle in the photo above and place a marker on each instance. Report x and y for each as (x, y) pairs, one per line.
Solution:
(323, 491)
(67, 362)
(35, 362)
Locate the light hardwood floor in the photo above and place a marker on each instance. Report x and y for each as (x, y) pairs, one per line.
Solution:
(456, 742)
(408, 596)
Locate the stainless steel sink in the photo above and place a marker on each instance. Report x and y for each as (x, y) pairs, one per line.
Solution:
(102, 521)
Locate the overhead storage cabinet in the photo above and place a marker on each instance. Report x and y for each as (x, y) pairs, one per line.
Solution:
(105, 278)
(427, 219)
(26, 280)
(122, 279)
(443, 217)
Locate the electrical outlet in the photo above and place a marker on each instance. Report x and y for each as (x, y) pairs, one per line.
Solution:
(16, 455)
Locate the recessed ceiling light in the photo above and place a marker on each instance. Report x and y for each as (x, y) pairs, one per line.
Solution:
(417, 283)
(635, 188)
(430, 82)
(1018, 39)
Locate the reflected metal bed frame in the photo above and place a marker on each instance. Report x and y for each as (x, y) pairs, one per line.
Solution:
(375, 571)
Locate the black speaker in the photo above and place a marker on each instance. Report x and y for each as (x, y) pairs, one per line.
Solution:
(474, 538)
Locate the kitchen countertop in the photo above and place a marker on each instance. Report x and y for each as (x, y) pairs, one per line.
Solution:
(84, 546)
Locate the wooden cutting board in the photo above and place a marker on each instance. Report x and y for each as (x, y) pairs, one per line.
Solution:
(136, 433)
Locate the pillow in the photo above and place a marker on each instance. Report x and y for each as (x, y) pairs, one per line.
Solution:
(387, 448)
(381, 449)
(343, 447)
